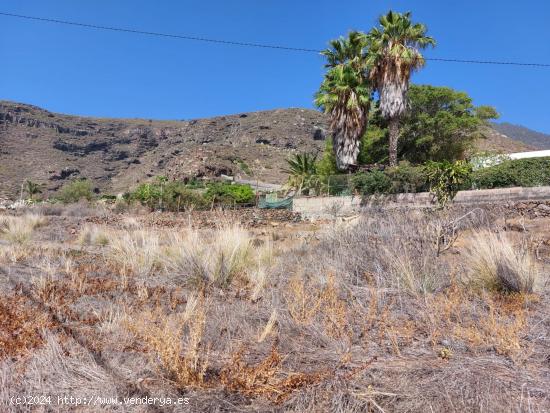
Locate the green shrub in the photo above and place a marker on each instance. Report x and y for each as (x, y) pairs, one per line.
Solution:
(76, 190)
(171, 196)
(375, 182)
(148, 194)
(177, 197)
(520, 172)
(406, 178)
(229, 194)
(446, 178)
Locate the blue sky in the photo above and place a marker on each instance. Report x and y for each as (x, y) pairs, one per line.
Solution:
(88, 72)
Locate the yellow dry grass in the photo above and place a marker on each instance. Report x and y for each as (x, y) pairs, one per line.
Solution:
(495, 263)
(19, 229)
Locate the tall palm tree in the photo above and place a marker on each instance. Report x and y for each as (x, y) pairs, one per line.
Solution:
(393, 54)
(345, 95)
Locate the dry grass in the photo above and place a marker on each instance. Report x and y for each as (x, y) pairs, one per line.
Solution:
(93, 235)
(219, 258)
(495, 263)
(135, 252)
(370, 317)
(20, 327)
(19, 229)
(176, 340)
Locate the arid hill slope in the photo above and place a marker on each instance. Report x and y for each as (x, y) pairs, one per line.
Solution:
(116, 154)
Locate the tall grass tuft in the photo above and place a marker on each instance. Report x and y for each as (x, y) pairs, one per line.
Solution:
(215, 259)
(19, 229)
(495, 263)
(135, 251)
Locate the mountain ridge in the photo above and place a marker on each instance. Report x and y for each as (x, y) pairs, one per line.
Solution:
(531, 137)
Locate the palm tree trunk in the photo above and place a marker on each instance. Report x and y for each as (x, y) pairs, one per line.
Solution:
(394, 137)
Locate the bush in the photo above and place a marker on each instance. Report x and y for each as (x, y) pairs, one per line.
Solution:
(177, 197)
(521, 172)
(229, 194)
(403, 178)
(375, 182)
(446, 178)
(147, 194)
(76, 190)
(172, 196)
(407, 178)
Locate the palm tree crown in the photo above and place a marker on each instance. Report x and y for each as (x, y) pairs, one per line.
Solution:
(393, 54)
(345, 50)
(345, 95)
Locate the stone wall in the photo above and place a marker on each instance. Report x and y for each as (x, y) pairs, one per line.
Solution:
(530, 199)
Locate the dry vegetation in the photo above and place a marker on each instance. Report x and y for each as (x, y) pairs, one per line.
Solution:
(403, 311)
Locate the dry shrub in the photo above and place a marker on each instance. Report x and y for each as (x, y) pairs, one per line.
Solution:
(497, 323)
(19, 229)
(176, 340)
(395, 249)
(308, 303)
(20, 327)
(265, 378)
(495, 263)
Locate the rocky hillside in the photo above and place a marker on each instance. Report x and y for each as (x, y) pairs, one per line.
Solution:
(116, 154)
(530, 137)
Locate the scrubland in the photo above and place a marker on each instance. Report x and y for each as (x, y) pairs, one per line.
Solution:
(394, 311)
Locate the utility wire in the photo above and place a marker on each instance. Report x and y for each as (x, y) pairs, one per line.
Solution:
(247, 44)
(174, 36)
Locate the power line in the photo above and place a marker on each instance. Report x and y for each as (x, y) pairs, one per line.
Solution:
(489, 62)
(248, 44)
(173, 36)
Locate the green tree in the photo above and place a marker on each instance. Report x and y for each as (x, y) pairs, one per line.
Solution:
(393, 54)
(345, 95)
(442, 124)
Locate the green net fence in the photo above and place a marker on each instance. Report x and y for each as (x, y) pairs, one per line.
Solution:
(271, 201)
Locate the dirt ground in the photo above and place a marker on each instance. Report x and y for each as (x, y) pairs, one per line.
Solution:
(262, 311)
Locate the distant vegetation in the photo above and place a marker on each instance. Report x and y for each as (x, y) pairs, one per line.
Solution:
(418, 124)
(382, 61)
(178, 196)
(76, 190)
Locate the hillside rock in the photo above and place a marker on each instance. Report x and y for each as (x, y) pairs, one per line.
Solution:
(51, 148)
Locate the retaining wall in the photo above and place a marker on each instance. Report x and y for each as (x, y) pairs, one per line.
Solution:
(327, 207)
